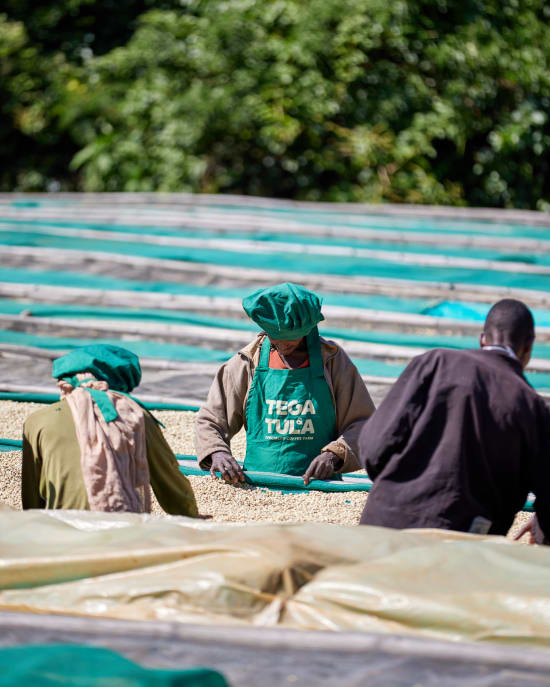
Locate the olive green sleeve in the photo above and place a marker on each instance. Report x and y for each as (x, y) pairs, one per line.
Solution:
(30, 473)
(171, 487)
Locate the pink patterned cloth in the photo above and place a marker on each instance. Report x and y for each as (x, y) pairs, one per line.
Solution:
(113, 455)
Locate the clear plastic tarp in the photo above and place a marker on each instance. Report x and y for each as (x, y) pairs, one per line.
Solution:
(432, 583)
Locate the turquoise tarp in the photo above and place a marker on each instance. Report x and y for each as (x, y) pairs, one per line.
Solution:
(334, 220)
(61, 665)
(271, 237)
(464, 311)
(180, 317)
(184, 353)
(288, 262)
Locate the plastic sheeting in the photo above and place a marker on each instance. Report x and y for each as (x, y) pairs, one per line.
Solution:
(433, 583)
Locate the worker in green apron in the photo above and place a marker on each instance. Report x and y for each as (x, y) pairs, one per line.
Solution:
(299, 397)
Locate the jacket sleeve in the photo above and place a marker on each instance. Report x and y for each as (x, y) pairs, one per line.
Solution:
(540, 476)
(31, 468)
(353, 406)
(223, 414)
(171, 487)
(388, 430)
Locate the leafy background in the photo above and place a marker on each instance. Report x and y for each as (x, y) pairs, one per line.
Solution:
(345, 100)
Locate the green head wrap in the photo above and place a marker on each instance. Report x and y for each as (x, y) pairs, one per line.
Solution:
(285, 311)
(117, 366)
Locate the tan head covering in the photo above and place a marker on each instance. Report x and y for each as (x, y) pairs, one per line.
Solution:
(113, 454)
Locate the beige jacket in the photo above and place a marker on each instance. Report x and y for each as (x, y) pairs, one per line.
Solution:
(223, 414)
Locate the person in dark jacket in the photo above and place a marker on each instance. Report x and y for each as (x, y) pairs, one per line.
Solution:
(462, 437)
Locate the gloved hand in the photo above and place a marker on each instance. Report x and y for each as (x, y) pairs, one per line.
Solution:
(224, 463)
(322, 467)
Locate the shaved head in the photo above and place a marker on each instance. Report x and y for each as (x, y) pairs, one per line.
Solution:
(510, 323)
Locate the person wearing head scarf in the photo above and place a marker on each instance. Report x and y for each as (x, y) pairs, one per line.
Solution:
(98, 448)
(299, 396)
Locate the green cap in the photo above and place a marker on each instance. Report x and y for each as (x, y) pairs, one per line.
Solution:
(117, 366)
(285, 311)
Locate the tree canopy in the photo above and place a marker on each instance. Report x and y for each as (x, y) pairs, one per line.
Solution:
(347, 100)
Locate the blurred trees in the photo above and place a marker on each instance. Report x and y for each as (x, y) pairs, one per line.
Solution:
(44, 46)
(362, 100)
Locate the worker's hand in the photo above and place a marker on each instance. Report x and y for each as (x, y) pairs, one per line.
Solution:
(322, 467)
(527, 529)
(224, 463)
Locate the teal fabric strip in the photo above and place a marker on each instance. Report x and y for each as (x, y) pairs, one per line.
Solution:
(104, 403)
(136, 400)
(181, 352)
(7, 445)
(77, 312)
(12, 443)
(380, 224)
(145, 349)
(270, 237)
(28, 398)
(100, 398)
(459, 310)
(368, 336)
(477, 312)
(285, 483)
(68, 279)
(374, 220)
(53, 398)
(315, 264)
(51, 665)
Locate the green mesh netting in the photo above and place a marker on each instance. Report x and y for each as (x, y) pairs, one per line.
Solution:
(82, 666)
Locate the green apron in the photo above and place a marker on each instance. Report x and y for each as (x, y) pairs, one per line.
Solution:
(289, 414)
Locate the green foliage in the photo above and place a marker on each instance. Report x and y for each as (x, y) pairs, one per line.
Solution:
(44, 47)
(28, 143)
(79, 28)
(365, 100)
